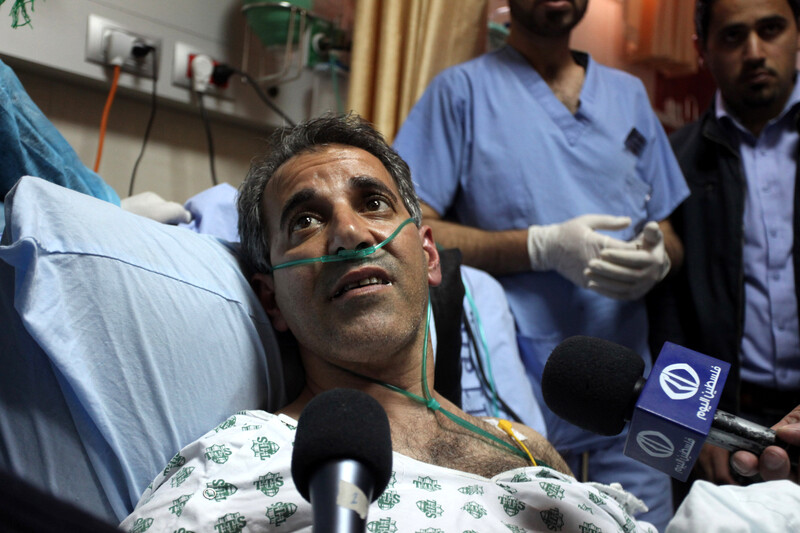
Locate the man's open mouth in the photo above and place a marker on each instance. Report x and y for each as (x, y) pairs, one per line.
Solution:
(361, 283)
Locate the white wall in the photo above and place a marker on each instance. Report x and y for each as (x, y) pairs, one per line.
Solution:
(57, 40)
(175, 164)
(49, 58)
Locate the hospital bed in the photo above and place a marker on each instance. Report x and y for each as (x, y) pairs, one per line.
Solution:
(122, 339)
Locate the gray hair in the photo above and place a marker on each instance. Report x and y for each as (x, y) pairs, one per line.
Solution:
(287, 142)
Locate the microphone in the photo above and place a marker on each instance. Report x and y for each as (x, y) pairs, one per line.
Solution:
(342, 458)
(598, 385)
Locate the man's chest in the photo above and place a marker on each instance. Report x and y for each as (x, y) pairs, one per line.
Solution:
(459, 451)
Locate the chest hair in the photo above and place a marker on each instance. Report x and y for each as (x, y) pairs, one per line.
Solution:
(446, 444)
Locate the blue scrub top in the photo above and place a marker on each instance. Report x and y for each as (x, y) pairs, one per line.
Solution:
(490, 145)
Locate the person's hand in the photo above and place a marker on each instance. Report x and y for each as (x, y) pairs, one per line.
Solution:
(629, 273)
(773, 463)
(568, 247)
(149, 204)
(713, 465)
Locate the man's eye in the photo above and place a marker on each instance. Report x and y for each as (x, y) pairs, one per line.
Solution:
(304, 222)
(771, 30)
(732, 37)
(377, 204)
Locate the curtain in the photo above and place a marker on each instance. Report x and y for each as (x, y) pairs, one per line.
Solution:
(400, 45)
(659, 33)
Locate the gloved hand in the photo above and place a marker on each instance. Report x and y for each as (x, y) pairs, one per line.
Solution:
(149, 204)
(568, 247)
(628, 274)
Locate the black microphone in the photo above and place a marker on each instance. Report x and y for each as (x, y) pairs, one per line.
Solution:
(598, 385)
(342, 458)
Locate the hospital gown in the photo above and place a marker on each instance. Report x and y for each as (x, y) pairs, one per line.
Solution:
(237, 478)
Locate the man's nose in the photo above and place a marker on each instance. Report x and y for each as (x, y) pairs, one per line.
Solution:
(348, 231)
(753, 48)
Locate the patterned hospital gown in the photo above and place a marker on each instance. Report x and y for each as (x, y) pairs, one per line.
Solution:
(237, 478)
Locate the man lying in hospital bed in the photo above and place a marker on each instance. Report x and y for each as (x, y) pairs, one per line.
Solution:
(123, 339)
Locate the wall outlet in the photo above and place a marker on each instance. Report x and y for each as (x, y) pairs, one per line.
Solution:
(181, 73)
(109, 43)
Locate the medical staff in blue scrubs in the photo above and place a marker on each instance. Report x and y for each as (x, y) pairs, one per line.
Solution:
(553, 173)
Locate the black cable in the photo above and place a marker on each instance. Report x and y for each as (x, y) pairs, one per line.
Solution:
(482, 373)
(141, 52)
(207, 126)
(223, 72)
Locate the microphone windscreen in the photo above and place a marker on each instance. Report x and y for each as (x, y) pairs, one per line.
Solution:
(590, 383)
(342, 424)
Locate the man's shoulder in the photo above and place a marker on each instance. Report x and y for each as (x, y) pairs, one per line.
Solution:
(614, 87)
(619, 77)
(458, 85)
(690, 135)
(475, 68)
(251, 421)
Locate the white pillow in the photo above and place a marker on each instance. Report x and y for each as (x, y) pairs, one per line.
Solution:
(122, 340)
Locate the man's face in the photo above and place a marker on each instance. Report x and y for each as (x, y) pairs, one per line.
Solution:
(751, 51)
(341, 197)
(548, 18)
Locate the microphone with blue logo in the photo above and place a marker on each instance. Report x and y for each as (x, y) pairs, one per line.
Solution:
(599, 385)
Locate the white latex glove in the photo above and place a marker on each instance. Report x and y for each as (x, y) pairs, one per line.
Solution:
(149, 204)
(568, 247)
(628, 274)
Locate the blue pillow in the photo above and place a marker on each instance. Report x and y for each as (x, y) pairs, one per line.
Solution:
(122, 340)
(214, 212)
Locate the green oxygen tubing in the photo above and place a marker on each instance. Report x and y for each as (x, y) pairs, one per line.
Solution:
(345, 255)
(428, 400)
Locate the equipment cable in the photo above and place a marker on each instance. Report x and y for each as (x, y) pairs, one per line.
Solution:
(481, 373)
(223, 72)
(106, 111)
(153, 107)
(209, 138)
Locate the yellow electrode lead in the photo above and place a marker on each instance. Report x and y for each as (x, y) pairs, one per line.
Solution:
(505, 425)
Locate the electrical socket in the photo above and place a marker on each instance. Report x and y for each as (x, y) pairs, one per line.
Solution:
(181, 77)
(109, 43)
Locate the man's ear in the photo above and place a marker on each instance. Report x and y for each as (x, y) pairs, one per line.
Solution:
(264, 285)
(432, 255)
